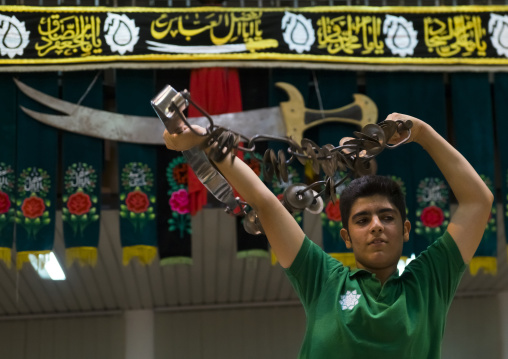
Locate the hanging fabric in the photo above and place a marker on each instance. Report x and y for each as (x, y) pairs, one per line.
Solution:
(8, 136)
(472, 119)
(37, 157)
(430, 200)
(332, 90)
(137, 166)
(82, 169)
(501, 116)
(391, 92)
(174, 209)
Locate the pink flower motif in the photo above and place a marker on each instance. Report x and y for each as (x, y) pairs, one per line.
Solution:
(179, 201)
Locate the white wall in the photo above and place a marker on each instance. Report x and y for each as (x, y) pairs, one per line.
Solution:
(473, 329)
(63, 338)
(237, 334)
(477, 328)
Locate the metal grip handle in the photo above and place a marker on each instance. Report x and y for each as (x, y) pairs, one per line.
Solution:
(167, 104)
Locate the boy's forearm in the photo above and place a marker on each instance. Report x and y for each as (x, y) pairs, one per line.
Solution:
(283, 232)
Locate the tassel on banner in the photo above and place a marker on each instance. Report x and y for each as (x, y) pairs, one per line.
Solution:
(347, 259)
(24, 257)
(273, 257)
(260, 253)
(85, 256)
(5, 256)
(145, 254)
(487, 264)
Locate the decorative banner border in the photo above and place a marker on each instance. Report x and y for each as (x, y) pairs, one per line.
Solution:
(470, 35)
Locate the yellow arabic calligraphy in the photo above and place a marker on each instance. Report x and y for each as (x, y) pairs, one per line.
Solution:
(461, 33)
(347, 34)
(69, 35)
(231, 26)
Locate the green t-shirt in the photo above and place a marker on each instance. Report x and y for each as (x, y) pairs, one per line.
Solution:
(351, 316)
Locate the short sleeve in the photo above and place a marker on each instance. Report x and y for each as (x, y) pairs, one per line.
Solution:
(310, 270)
(440, 267)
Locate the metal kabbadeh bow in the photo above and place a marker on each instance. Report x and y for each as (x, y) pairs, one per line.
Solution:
(353, 156)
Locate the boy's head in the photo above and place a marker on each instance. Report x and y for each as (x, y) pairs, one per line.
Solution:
(368, 186)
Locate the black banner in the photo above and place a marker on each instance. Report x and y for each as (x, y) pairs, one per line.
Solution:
(378, 35)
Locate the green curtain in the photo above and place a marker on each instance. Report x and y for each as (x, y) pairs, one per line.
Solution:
(82, 172)
(422, 95)
(137, 166)
(391, 94)
(37, 159)
(501, 115)
(473, 129)
(8, 136)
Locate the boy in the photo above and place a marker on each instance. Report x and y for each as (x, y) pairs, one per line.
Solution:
(371, 312)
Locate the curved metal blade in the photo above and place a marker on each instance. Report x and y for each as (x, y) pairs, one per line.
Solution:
(106, 125)
(140, 129)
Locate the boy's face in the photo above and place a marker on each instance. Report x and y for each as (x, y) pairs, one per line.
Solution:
(376, 233)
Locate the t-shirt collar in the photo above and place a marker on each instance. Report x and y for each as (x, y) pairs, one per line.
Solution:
(357, 271)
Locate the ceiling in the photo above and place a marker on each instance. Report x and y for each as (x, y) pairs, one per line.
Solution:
(216, 279)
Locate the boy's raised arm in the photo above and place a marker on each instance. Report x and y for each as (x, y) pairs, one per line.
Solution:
(283, 232)
(474, 198)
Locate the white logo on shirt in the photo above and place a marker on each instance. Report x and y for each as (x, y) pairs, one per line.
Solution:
(349, 300)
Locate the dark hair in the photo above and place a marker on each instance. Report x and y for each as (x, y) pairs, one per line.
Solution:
(370, 186)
